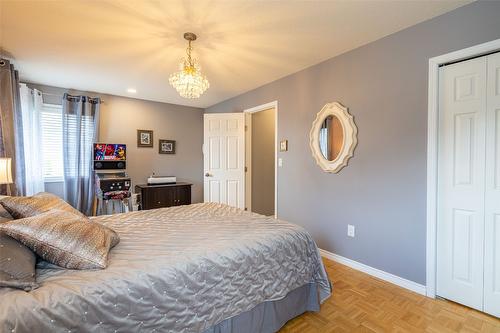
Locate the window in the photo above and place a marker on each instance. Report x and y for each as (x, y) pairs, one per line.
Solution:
(52, 143)
(86, 151)
(51, 119)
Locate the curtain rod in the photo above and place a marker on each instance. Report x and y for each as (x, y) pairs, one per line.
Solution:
(60, 96)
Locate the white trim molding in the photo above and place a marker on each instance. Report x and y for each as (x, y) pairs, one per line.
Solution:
(432, 148)
(391, 278)
(263, 107)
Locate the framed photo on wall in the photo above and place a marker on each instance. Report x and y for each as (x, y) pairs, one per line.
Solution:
(144, 138)
(284, 145)
(167, 147)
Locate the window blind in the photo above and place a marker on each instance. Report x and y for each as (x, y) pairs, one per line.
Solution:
(52, 143)
(51, 118)
(86, 131)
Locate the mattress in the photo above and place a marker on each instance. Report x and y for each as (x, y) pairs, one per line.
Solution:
(178, 269)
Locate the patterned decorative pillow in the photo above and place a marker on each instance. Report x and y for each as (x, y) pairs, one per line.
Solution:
(21, 207)
(4, 215)
(17, 264)
(63, 238)
(115, 239)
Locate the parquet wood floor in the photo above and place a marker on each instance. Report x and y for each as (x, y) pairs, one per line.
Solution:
(362, 303)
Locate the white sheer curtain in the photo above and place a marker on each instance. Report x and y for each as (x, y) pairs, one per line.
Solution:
(31, 108)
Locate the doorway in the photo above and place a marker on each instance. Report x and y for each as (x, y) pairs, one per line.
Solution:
(224, 158)
(260, 159)
(462, 245)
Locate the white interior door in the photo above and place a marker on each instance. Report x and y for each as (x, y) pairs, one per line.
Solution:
(492, 193)
(461, 179)
(224, 158)
(248, 161)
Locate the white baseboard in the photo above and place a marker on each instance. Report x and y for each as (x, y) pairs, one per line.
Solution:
(394, 279)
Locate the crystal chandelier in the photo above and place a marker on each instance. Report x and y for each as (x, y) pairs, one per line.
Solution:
(189, 81)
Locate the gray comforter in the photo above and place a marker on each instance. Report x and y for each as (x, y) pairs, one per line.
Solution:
(179, 269)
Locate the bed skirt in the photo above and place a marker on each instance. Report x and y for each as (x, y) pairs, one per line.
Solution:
(269, 317)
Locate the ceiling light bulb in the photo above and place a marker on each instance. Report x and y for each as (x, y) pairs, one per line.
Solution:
(131, 90)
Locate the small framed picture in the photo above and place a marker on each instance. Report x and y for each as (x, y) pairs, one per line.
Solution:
(167, 147)
(284, 145)
(145, 138)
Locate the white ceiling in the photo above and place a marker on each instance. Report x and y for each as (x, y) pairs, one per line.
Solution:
(108, 46)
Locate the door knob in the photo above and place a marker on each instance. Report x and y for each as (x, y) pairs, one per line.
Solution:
(208, 175)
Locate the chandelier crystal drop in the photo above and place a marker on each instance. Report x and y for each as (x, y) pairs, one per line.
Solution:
(189, 81)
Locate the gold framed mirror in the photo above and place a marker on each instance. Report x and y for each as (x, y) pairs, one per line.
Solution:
(333, 137)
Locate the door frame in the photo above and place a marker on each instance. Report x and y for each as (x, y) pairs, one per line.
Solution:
(432, 149)
(263, 107)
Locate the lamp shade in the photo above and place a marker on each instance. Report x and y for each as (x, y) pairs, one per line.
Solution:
(5, 170)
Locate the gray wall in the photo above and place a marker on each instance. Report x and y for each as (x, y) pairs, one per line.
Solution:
(263, 162)
(382, 191)
(120, 118)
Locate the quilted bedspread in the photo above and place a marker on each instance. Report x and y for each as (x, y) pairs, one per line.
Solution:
(178, 269)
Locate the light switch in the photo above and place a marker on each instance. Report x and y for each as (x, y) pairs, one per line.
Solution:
(350, 230)
(280, 162)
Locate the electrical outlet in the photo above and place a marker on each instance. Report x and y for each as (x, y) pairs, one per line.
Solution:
(351, 232)
(280, 162)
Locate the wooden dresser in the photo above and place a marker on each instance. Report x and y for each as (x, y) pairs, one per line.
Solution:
(167, 195)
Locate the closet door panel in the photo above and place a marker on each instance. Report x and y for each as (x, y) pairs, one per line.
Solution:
(492, 190)
(461, 174)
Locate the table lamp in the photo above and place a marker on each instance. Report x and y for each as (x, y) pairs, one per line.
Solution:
(5, 170)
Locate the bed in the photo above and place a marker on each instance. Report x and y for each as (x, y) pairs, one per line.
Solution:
(204, 268)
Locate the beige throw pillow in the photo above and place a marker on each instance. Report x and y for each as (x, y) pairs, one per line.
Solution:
(64, 238)
(21, 207)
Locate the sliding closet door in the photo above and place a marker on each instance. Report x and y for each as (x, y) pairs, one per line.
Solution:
(492, 201)
(461, 172)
